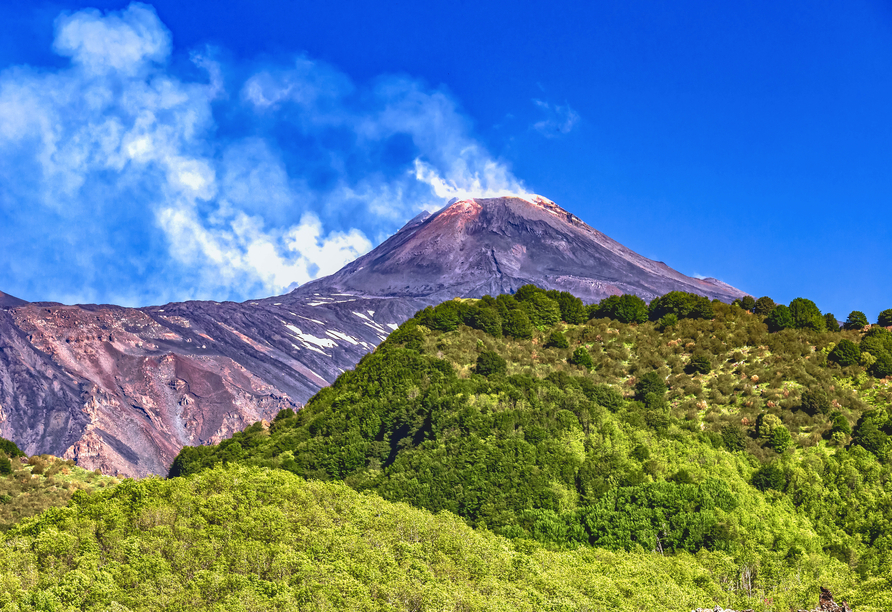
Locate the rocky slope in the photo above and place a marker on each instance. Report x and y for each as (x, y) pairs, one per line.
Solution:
(123, 389)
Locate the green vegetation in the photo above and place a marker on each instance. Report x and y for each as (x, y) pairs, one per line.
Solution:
(708, 436)
(885, 318)
(856, 320)
(30, 485)
(238, 538)
(552, 456)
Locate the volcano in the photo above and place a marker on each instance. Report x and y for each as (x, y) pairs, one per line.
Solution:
(481, 246)
(123, 389)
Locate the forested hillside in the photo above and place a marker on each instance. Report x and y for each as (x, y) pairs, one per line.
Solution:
(532, 453)
(684, 427)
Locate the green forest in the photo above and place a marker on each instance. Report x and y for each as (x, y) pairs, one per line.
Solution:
(520, 452)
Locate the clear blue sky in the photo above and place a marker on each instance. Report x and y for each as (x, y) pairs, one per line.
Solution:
(225, 150)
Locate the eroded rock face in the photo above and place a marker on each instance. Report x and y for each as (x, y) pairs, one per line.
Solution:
(123, 389)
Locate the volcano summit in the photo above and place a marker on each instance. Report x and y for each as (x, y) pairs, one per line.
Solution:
(123, 389)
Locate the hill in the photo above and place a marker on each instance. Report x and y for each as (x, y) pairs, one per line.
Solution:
(238, 538)
(700, 431)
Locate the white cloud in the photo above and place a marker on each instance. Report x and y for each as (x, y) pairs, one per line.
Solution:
(558, 121)
(115, 170)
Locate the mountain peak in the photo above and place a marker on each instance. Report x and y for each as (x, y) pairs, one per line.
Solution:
(479, 245)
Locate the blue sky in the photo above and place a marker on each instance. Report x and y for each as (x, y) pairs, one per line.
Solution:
(226, 150)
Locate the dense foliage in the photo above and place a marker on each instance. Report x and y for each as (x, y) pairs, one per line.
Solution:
(247, 539)
(706, 435)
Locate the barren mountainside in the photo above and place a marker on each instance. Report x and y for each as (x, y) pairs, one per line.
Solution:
(123, 389)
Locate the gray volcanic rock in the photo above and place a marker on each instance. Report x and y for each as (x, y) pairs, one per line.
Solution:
(124, 389)
(477, 246)
(10, 301)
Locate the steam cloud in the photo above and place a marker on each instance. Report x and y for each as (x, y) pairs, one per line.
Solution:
(119, 170)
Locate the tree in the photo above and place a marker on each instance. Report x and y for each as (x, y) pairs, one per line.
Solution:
(517, 325)
(748, 302)
(557, 339)
(769, 477)
(651, 382)
(582, 358)
(667, 321)
(882, 367)
(487, 320)
(541, 309)
(806, 315)
(572, 309)
(734, 438)
(10, 449)
(683, 305)
(779, 318)
(625, 308)
(856, 320)
(885, 318)
(764, 305)
(489, 363)
(830, 322)
(846, 353)
(870, 432)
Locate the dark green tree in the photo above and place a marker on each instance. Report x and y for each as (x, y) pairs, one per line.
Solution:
(573, 311)
(815, 401)
(764, 306)
(486, 319)
(683, 305)
(10, 449)
(699, 364)
(769, 477)
(806, 315)
(489, 363)
(651, 382)
(581, 357)
(779, 318)
(542, 310)
(882, 367)
(557, 339)
(846, 353)
(748, 303)
(856, 320)
(517, 325)
(625, 308)
(885, 318)
(5, 466)
(734, 438)
(830, 322)
(872, 432)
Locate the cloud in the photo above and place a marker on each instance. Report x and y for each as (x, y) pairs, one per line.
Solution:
(558, 120)
(126, 179)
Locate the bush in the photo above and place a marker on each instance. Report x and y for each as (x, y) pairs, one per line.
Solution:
(764, 306)
(779, 318)
(651, 382)
(734, 438)
(5, 466)
(885, 318)
(699, 364)
(815, 401)
(872, 432)
(846, 353)
(557, 339)
(856, 320)
(667, 321)
(489, 363)
(882, 367)
(582, 358)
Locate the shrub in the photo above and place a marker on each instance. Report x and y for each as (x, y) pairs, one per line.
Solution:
(882, 367)
(667, 321)
(489, 363)
(815, 401)
(885, 318)
(840, 424)
(9, 448)
(846, 353)
(557, 339)
(733, 437)
(871, 432)
(700, 363)
(764, 305)
(582, 358)
(5, 466)
(856, 320)
(651, 382)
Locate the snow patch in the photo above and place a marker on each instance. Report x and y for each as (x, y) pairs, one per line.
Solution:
(392, 326)
(343, 336)
(311, 339)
